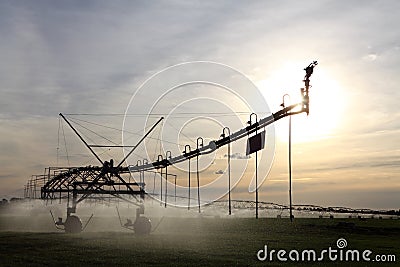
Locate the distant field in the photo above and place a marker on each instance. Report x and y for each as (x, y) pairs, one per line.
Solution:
(200, 242)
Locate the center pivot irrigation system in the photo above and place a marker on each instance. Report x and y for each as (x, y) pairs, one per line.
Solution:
(79, 183)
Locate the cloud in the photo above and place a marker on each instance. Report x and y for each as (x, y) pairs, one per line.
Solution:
(370, 57)
(10, 175)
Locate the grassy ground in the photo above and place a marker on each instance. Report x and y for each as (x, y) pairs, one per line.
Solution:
(201, 242)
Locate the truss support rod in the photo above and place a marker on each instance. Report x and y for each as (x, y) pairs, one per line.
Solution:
(140, 141)
(80, 137)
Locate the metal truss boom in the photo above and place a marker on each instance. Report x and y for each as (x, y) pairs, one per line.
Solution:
(262, 123)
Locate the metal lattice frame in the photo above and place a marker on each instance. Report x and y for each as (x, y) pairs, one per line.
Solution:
(111, 180)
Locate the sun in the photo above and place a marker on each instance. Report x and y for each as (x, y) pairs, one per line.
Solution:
(327, 103)
(326, 107)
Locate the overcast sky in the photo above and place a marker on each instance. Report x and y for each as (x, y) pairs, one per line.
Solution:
(90, 56)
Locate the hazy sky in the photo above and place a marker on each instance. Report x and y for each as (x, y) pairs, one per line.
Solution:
(90, 56)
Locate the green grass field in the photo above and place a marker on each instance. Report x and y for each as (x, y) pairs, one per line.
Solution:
(201, 242)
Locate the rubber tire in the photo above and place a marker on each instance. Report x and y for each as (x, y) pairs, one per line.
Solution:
(73, 224)
(142, 226)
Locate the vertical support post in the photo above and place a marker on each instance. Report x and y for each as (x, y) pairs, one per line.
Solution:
(175, 190)
(161, 157)
(199, 144)
(229, 178)
(256, 182)
(30, 188)
(68, 198)
(139, 162)
(161, 176)
(167, 156)
(154, 182)
(166, 185)
(186, 151)
(198, 182)
(143, 181)
(290, 156)
(145, 161)
(59, 197)
(189, 186)
(34, 187)
(250, 123)
(223, 135)
(290, 167)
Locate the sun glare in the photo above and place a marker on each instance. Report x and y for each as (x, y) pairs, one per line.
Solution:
(326, 103)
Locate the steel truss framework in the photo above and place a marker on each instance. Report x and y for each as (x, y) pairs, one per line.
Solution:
(88, 180)
(79, 183)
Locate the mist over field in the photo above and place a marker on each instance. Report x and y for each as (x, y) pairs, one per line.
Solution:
(183, 238)
(35, 216)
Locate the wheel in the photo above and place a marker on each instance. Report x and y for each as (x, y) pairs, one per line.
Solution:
(142, 226)
(73, 224)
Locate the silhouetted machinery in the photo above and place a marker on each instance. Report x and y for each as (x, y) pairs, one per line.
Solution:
(79, 183)
(71, 225)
